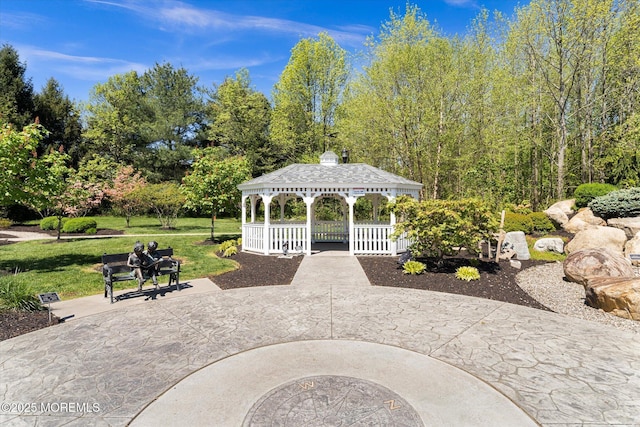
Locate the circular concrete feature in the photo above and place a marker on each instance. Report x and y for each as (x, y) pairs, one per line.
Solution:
(331, 400)
(330, 382)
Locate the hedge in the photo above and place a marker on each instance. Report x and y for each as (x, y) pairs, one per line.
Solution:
(585, 193)
(80, 225)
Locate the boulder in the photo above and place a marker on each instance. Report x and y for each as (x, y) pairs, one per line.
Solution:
(633, 247)
(631, 226)
(559, 212)
(517, 241)
(598, 237)
(587, 263)
(616, 295)
(582, 220)
(549, 244)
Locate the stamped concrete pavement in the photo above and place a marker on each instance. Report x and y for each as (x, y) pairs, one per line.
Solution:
(127, 364)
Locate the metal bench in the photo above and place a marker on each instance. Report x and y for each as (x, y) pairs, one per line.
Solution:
(115, 269)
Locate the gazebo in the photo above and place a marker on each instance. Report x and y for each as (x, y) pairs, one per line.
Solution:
(311, 182)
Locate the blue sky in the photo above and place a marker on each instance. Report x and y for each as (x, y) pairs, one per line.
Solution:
(84, 42)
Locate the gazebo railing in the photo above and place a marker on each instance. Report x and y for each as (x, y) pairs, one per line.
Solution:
(293, 233)
(330, 231)
(253, 237)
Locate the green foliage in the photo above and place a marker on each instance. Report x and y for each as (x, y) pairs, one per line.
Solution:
(230, 251)
(5, 223)
(80, 225)
(413, 267)
(442, 227)
(518, 222)
(226, 245)
(541, 222)
(617, 204)
(166, 200)
(587, 192)
(16, 91)
(239, 241)
(467, 273)
(51, 223)
(17, 295)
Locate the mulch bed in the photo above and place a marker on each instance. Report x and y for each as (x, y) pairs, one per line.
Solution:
(14, 322)
(258, 270)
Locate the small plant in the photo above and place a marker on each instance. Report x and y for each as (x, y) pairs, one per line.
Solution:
(226, 245)
(16, 295)
(474, 262)
(617, 204)
(414, 267)
(230, 251)
(239, 241)
(518, 222)
(541, 222)
(467, 273)
(5, 223)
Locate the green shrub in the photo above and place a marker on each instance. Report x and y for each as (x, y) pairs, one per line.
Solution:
(79, 225)
(51, 223)
(226, 245)
(414, 267)
(16, 295)
(617, 204)
(474, 262)
(467, 273)
(541, 222)
(5, 223)
(587, 192)
(517, 222)
(239, 241)
(230, 251)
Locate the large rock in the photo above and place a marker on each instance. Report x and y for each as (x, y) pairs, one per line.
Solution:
(632, 247)
(549, 244)
(587, 263)
(582, 220)
(631, 226)
(598, 238)
(517, 241)
(616, 295)
(559, 212)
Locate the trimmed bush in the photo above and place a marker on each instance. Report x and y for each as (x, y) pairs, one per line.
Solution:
(585, 193)
(79, 225)
(5, 223)
(541, 222)
(517, 222)
(51, 223)
(617, 204)
(467, 273)
(413, 267)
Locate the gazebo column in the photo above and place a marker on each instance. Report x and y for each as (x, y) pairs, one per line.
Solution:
(244, 217)
(393, 245)
(308, 201)
(351, 201)
(254, 202)
(267, 222)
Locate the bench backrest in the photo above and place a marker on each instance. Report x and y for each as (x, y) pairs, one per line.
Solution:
(123, 258)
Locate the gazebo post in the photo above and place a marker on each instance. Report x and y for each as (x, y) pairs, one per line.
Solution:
(351, 201)
(393, 244)
(244, 217)
(267, 222)
(308, 201)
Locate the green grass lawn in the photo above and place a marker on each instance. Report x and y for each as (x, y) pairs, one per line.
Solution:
(73, 267)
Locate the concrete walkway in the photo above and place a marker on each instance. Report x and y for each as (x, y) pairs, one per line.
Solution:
(240, 357)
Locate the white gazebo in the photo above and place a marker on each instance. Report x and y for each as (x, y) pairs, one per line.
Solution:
(310, 182)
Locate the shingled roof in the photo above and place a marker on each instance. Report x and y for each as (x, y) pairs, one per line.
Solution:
(330, 174)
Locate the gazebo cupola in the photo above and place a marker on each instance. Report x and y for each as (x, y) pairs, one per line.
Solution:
(310, 182)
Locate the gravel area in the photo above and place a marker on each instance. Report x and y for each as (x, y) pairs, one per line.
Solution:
(546, 284)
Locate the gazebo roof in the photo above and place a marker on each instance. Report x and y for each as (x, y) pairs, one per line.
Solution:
(330, 174)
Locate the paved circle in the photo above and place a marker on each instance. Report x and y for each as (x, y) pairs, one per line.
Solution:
(331, 400)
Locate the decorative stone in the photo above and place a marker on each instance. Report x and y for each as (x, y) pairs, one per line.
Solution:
(598, 238)
(586, 263)
(633, 247)
(582, 220)
(515, 264)
(559, 212)
(549, 244)
(615, 295)
(631, 226)
(518, 241)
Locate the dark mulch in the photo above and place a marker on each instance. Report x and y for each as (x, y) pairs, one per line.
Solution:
(14, 322)
(258, 270)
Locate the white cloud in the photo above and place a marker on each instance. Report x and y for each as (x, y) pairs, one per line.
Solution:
(462, 3)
